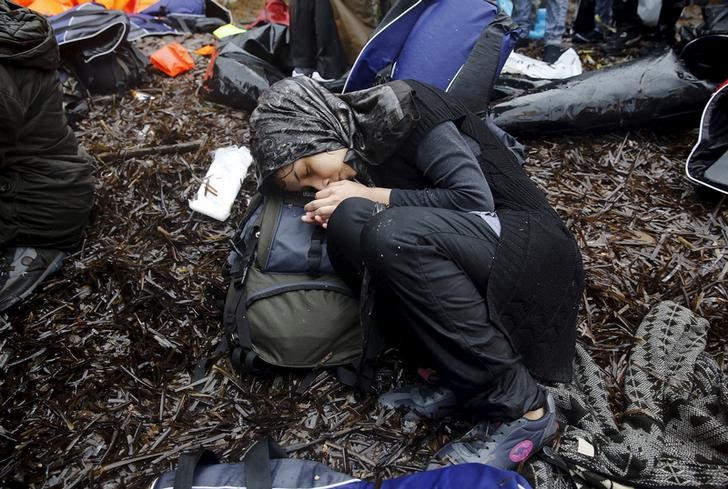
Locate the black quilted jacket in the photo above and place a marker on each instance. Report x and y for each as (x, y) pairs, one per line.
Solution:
(537, 277)
(46, 190)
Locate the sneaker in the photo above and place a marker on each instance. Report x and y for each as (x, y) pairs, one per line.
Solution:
(22, 269)
(621, 40)
(317, 77)
(421, 401)
(551, 53)
(502, 445)
(591, 37)
(302, 72)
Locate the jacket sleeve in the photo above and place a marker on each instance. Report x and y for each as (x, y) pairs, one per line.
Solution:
(448, 163)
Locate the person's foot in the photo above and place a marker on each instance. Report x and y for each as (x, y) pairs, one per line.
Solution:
(22, 269)
(316, 76)
(591, 37)
(302, 72)
(551, 53)
(421, 401)
(502, 445)
(621, 40)
(522, 42)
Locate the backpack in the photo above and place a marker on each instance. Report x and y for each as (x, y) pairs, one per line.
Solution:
(265, 466)
(459, 46)
(285, 305)
(95, 48)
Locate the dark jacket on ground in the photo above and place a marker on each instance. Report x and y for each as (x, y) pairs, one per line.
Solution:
(46, 190)
(537, 277)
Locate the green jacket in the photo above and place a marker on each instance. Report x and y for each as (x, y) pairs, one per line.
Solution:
(46, 188)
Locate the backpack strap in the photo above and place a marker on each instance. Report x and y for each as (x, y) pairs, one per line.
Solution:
(235, 316)
(257, 463)
(316, 251)
(188, 462)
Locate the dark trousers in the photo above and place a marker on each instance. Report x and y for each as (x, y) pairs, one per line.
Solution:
(430, 266)
(314, 39)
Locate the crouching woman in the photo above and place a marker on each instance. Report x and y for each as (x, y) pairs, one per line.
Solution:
(479, 271)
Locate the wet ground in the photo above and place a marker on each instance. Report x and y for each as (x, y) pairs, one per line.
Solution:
(95, 386)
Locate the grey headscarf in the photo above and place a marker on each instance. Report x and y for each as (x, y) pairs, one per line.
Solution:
(297, 117)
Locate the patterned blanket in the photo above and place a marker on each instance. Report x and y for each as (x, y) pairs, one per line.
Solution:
(674, 430)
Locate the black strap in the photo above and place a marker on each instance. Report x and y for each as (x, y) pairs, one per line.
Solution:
(365, 369)
(316, 251)
(203, 365)
(257, 463)
(235, 316)
(481, 67)
(188, 462)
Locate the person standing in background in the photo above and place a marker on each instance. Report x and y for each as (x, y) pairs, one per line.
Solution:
(315, 47)
(555, 24)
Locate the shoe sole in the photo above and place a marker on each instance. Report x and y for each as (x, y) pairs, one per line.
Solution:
(52, 267)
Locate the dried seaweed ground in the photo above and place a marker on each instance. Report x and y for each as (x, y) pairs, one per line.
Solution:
(95, 388)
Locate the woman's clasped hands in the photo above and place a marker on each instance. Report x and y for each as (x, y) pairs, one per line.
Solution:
(319, 210)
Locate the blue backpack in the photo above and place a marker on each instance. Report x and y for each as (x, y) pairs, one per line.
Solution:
(459, 46)
(265, 466)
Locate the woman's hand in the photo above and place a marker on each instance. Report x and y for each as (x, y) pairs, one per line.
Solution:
(319, 211)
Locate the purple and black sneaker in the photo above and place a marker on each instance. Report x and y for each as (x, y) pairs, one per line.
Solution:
(502, 445)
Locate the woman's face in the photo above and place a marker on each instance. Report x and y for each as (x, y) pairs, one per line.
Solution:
(315, 171)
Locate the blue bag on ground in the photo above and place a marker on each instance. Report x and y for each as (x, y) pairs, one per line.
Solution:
(265, 467)
(459, 46)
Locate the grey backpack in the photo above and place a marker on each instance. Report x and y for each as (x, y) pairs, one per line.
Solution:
(285, 305)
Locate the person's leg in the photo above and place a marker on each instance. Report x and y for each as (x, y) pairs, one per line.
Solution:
(330, 60)
(604, 15)
(434, 263)
(303, 36)
(432, 266)
(555, 21)
(343, 239)
(555, 27)
(584, 18)
(523, 16)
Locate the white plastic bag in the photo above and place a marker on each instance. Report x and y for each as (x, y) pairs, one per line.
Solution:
(566, 66)
(222, 182)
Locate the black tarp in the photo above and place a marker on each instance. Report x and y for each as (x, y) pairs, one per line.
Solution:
(645, 91)
(246, 64)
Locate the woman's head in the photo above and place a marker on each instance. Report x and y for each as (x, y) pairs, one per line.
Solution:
(296, 118)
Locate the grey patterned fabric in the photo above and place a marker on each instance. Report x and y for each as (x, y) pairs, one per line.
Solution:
(297, 117)
(674, 430)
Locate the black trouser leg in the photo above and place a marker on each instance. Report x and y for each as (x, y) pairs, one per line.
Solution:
(433, 266)
(303, 34)
(314, 38)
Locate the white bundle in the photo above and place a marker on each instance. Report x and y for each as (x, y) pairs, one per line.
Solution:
(222, 182)
(566, 66)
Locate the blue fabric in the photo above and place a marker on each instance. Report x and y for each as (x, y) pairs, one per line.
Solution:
(470, 476)
(290, 244)
(441, 40)
(431, 40)
(305, 474)
(166, 7)
(383, 49)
